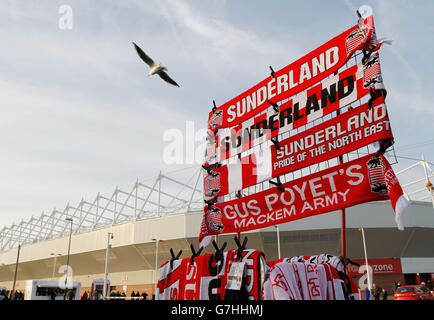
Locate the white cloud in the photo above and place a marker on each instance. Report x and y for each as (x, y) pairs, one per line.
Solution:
(217, 44)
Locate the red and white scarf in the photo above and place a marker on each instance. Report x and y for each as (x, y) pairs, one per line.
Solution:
(331, 94)
(312, 288)
(171, 280)
(186, 281)
(253, 278)
(336, 289)
(358, 181)
(347, 132)
(300, 281)
(335, 261)
(297, 76)
(206, 278)
(282, 283)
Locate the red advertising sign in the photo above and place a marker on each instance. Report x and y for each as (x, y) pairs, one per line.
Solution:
(378, 266)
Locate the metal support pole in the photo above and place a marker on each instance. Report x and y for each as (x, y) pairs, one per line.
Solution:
(55, 261)
(366, 259)
(159, 192)
(67, 258)
(343, 218)
(427, 179)
(135, 200)
(156, 265)
(16, 271)
(192, 193)
(104, 292)
(278, 241)
(54, 267)
(115, 206)
(97, 210)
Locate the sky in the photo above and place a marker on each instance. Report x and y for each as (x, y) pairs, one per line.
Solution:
(79, 115)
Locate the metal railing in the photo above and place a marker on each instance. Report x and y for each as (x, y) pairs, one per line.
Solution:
(420, 189)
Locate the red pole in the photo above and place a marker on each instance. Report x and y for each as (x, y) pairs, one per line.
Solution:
(343, 222)
(239, 195)
(343, 234)
(343, 226)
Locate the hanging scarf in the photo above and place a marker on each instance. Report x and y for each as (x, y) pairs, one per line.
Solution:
(358, 181)
(282, 283)
(297, 76)
(331, 94)
(254, 273)
(206, 278)
(347, 132)
(171, 280)
(335, 261)
(336, 289)
(301, 281)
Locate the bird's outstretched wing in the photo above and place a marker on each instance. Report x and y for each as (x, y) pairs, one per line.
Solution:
(144, 56)
(166, 78)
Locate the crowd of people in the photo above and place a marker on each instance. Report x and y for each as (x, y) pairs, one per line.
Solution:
(134, 295)
(115, 295)
(7, 295)
(378, 293)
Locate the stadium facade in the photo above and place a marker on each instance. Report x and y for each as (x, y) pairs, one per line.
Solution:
(147, 214)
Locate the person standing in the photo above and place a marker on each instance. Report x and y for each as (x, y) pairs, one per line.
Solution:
(144, 295)
(375, 292)
(395, 286)
(429, 285)
(70, 295)
(383, 294)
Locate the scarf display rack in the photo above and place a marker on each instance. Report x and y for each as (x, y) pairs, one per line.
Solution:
(244, 274)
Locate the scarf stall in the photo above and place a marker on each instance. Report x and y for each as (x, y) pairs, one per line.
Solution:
(239, 154)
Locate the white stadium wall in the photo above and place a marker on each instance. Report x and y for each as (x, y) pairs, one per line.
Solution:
(132, 255)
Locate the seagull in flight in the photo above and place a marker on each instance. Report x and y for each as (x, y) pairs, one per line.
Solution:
(155, 68)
